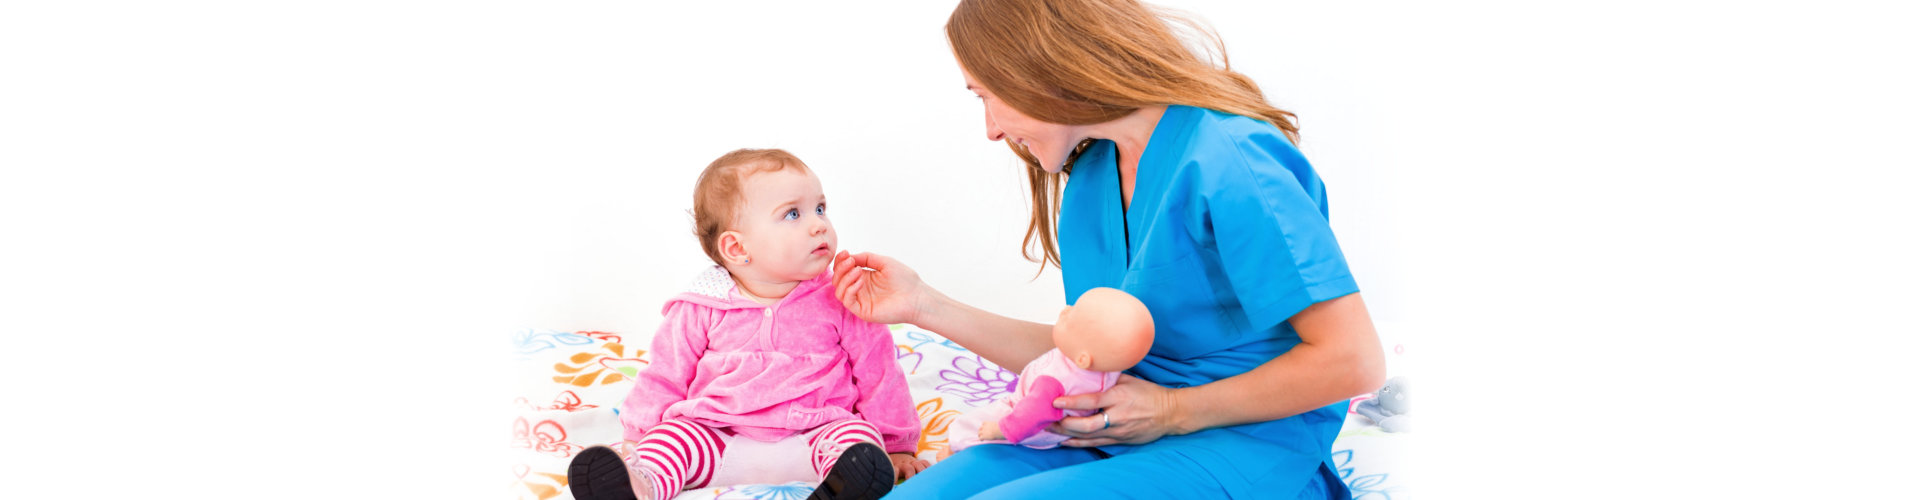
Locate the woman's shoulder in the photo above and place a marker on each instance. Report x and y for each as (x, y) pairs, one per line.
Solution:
(1224, 133)
(1222, 149)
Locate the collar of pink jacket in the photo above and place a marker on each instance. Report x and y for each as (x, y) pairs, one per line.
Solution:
(715, 288)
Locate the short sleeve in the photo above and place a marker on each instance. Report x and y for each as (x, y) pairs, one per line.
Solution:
(1265, 210)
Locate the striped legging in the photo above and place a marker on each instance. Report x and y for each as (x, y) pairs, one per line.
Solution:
(678, 454)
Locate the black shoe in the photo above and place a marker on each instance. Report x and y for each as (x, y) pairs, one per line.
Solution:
(862, 473)
(599, 474)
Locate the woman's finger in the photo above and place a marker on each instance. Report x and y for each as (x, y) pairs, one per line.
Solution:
(1094, 423)
(840, 287)
(1080, 401)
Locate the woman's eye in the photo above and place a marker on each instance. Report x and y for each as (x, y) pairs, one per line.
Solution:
(792, 214)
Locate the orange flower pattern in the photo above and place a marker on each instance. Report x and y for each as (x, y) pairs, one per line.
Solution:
(607, 368)
(935, 421)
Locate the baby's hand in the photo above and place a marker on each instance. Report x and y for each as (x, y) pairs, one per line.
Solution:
(905, 465)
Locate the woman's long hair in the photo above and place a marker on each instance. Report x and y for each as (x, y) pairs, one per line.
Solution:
(1080, 62)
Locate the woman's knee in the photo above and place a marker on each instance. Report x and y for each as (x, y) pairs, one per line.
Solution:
(979, 468)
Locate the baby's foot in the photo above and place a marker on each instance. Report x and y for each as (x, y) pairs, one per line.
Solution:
(599, 474)
(863, 472)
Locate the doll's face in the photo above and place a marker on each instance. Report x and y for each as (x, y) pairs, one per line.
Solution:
(1106, 330)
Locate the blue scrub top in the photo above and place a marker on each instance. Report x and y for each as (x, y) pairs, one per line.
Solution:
(1226, 238)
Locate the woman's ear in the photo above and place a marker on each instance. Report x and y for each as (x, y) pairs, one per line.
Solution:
(732, 249)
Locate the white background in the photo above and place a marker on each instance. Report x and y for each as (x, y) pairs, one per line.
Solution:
(1639, 246)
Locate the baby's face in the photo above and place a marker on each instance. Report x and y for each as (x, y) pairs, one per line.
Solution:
(784, 227)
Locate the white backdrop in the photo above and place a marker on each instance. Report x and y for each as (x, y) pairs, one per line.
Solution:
(878, 109)
(1673, 238)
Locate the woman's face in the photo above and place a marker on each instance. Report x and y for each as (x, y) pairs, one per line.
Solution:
(1050, 142)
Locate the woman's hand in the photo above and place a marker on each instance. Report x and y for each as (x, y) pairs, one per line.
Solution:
(905, 465)
(877, 288)
(1141, 412)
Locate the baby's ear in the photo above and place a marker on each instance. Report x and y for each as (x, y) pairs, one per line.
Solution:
(730, 247)
(1084, 360)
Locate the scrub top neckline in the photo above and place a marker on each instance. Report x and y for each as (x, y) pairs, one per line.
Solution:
(1149, 173)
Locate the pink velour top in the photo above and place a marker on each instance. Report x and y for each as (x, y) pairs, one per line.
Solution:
(769, 372)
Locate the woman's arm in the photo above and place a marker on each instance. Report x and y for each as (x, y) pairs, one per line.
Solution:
(1338, 357)
(1008, 342)
(880, 289)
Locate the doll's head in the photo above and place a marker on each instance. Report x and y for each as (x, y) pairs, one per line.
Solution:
(761, 213)
(1106, 330)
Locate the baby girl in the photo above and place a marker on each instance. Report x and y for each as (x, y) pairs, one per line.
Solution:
(758, 374)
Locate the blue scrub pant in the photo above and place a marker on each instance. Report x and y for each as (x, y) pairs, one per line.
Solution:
(1016, 472)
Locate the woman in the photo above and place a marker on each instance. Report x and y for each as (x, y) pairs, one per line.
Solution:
(1187, 192)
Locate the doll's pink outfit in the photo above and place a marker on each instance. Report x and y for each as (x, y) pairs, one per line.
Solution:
(1030, 407)
(803, 373)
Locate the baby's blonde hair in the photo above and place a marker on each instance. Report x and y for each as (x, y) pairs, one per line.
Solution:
(717, 198)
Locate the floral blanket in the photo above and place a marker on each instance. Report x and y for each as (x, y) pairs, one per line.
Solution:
(568, 384)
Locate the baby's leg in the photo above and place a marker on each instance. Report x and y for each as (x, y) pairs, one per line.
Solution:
(674, 455)
(850, 460)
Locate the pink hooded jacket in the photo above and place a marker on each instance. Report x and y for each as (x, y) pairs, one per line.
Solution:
(768, 372)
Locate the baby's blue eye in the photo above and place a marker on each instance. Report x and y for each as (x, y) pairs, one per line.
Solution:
(822, 209)
(792, 214)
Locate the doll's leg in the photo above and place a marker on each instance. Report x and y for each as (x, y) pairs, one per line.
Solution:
(848, 457)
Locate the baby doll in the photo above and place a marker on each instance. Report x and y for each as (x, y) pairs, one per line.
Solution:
(1104, 332)
(759, 375)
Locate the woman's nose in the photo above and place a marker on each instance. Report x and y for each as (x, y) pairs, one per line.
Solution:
(993, 131)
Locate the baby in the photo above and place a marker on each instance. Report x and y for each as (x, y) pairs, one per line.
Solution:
(759, 375)
(1104, 332)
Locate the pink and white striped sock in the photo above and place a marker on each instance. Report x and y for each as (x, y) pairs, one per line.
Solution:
(676, 455)
(830, 440)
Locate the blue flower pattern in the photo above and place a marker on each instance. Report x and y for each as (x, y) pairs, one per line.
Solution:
(923, 338)
(529, 342)
(1368, 486)
(790, 491)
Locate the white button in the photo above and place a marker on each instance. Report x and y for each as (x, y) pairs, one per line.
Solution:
(769, 312)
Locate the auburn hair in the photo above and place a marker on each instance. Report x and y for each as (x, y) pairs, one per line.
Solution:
(717, 198)
(1081, 62)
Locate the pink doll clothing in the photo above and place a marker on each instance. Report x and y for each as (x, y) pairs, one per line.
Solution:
(768, 372)
(1073, 380)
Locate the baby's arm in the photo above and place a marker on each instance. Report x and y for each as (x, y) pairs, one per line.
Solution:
(676, 356)
(884, 401)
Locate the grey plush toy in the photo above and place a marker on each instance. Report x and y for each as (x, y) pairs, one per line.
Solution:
(1389, 406)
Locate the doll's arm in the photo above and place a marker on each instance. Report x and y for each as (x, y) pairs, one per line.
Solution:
(664, 381)
(1034, 411)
